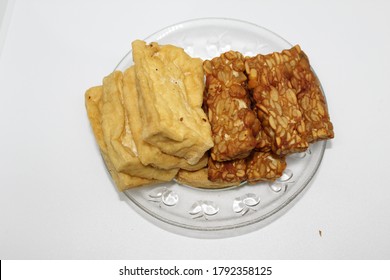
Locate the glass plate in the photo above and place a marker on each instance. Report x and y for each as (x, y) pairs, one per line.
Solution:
(235, 210)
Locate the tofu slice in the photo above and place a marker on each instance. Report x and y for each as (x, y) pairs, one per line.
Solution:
(170, 85)
(93, 102)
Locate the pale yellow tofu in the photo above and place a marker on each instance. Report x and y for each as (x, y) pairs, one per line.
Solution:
(147, 153)
(93, 104)
(170, 85)
(118, 136)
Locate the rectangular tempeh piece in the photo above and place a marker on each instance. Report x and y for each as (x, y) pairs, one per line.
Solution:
(259, 166)
(315, 114)
(273, 68)
(281, 118)
(264, 167)
(233, 123)
(291, 68)
(310, 99)
(233, 171)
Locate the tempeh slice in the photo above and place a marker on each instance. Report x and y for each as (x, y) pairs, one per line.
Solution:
(281, 119)
(264, 167)
(291, 68)
(233, 171)
(233, 123)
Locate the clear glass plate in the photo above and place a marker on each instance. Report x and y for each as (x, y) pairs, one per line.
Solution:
(235, 210)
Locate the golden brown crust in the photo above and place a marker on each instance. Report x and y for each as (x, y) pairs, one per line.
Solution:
(281, 119)
(273, 68)
(315, 114)
(311, 100)
(263, 141)
(232, 171)
(234, 125)
(264, 167)
(291, 69)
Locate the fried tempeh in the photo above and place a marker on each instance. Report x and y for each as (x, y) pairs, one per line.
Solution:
(281, 119)
(272, 69)
(315, 114)
(233, 171)
(291, 68)
(310, 98)
(234, 125)
(264, 167)
(263, 141)
(258, 166)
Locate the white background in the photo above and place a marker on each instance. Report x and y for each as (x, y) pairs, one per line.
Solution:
(56, 200)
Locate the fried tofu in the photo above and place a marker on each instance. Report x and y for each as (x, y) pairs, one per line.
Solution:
(170, 85)
(93, 102)
(118, 136)
(148, 154)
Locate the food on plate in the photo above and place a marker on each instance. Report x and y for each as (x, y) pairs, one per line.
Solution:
(118, 120)
(258, 166)
(290, 70)
(232, 171)
(264, 167)
(93, 102)
(287, 99)
(263, 141)
(147, 153)
(281, 119)
(118, 136)
(158, 121)
(170, 85)
(234, 125)
(200, 179)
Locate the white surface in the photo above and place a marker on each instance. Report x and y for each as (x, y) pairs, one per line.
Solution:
(56, 200)
(3, 7)
(6, 7)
